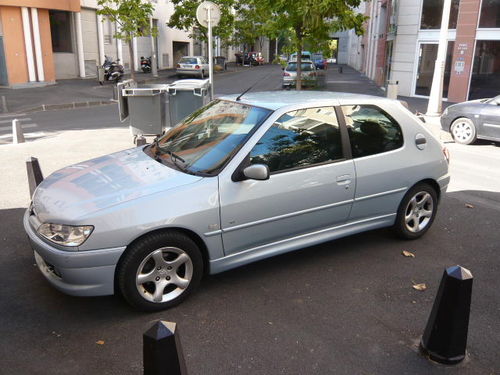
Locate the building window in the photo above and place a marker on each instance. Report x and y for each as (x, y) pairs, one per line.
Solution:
(60, 30)
(485, 79)
(432, 11)
(490, 14)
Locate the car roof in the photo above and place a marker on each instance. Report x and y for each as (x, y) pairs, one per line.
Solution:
(278, 99)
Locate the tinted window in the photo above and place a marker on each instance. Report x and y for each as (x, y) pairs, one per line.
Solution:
(189, 60)
(306, 67)
(371, 130)
(299, 139)
(60, 29)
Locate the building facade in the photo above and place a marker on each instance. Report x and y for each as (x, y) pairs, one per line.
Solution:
(401, 43)
(45, 40)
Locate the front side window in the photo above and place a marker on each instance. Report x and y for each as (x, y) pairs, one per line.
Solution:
(371, 130)
(300, 138)
(206, 140)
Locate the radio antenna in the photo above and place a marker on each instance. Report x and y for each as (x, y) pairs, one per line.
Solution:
(251, 87)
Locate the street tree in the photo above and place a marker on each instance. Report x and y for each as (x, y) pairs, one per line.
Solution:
(309, 22)
(184, 18)
(133, 20)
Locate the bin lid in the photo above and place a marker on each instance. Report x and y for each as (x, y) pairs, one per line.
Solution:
(190, 84)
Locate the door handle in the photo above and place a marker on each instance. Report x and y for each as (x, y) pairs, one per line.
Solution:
(344, 179)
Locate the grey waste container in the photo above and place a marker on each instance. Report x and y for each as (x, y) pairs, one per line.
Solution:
(184, 97)
(147, 109)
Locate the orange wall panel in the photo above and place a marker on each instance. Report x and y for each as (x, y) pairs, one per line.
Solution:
(13, 37)
(46, 40)
(69, 5)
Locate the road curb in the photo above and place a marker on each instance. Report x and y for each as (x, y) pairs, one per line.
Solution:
(73, 105)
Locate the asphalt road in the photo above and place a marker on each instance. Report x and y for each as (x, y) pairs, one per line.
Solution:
(343, 307)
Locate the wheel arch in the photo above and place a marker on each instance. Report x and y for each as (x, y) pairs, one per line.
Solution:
(189, 233)
(432, 183)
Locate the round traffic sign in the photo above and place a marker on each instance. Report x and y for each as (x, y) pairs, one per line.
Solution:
(202, 13)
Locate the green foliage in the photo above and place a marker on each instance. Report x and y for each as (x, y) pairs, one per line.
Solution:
(184, 18)
(133, 17)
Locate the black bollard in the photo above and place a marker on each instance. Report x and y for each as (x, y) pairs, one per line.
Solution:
(34, 174)
(162, 351)
(140, 141)
(445, 336)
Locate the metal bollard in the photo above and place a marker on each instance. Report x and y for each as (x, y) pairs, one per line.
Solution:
(162, 351)
(34, 174)
(17, 132)
(140, 141)
(445, 336)
(5, 109)
(340, 70)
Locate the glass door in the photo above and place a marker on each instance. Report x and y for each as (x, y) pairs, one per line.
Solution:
(426, 60)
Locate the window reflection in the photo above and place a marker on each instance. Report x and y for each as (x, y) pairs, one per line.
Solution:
(299, 139)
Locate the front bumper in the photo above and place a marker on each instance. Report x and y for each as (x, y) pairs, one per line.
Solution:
(78, 273)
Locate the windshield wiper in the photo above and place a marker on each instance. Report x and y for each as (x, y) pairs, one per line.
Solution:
(174, 156)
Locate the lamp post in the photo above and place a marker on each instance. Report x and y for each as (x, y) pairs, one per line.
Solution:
(436, 96)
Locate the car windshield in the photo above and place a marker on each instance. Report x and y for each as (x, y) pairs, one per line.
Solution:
(306, 67)
(207, 139)
(188, 60)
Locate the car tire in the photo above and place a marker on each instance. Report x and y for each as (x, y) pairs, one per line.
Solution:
(159, 271)
(416, 212)
(463, 131)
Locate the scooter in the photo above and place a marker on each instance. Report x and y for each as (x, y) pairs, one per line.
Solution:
(113, 70)
(146, 64)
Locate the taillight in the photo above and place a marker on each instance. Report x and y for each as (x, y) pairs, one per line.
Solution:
(197, 67)
(286, 74)
(178, 65)
(446, 154)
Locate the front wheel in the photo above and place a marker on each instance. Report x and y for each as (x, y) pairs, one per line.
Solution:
(416, 212)
(463, 131)
(159, 271)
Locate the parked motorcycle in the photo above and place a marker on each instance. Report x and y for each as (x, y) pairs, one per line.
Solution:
(113, 70)
(146, 64)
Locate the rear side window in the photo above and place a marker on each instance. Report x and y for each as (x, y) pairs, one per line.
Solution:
(371, 130)
(300, 139)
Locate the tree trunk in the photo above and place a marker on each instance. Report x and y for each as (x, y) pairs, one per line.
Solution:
(298, 84)
(131, 59)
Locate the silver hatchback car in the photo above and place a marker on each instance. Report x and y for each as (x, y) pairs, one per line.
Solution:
(239, 180)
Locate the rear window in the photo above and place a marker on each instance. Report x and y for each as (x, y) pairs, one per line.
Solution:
(189, 60)
(317, 56)
(306, 67)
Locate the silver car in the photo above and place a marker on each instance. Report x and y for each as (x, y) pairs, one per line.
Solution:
(309, 74)
(193, 66)
(240, 180)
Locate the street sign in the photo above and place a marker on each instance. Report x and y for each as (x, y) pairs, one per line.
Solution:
(202, 13)
(208, 15)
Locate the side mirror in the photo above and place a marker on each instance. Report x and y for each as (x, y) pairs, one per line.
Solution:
(257, 172)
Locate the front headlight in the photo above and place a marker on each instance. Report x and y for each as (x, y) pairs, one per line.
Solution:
(65, 235)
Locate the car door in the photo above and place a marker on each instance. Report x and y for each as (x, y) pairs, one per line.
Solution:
(380, 161)
(311, 184)
(490, 118)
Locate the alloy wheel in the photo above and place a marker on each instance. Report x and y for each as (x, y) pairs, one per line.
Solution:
(463, 131)
(164, 274)
(419, 212)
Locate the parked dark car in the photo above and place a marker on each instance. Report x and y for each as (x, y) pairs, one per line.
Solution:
(472, 120)
(319, 61)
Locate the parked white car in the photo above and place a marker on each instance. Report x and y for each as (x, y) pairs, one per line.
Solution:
(193, 66)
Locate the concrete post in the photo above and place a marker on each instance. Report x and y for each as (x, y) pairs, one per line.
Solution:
(154, 59)
(119, 46)
(28, 44)
(38, 44)
(17, 132)
(34, 173)
(436, 97)
(79, 44)
(100, 39)
(137, 64)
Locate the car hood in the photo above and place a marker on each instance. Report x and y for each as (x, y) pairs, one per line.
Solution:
(80, 189)
(470, 103)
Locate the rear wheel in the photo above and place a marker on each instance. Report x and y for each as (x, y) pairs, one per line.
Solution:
(463, 131)
(416, 212)
(160, 271)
